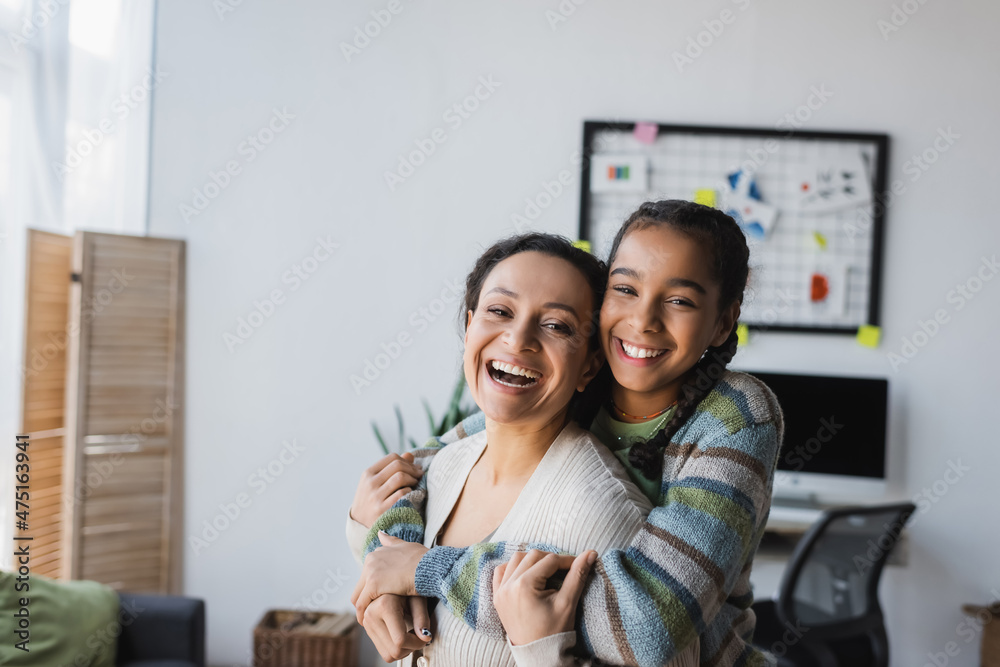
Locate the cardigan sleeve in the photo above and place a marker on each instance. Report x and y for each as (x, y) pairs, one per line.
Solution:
(647, 602)
(551, 651)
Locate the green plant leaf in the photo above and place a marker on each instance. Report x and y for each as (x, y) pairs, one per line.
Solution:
(378, 436)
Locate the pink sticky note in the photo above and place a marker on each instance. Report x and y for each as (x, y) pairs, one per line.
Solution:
(645, 133)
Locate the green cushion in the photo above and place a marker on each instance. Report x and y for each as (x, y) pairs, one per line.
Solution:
(71, 623)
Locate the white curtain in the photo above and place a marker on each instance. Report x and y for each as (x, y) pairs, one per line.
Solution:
(76, 85)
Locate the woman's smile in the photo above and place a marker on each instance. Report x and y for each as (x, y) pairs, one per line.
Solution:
(513, 374)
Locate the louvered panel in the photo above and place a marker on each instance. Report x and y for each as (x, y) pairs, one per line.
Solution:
(47, 295)
(127, 427)
(125, 475)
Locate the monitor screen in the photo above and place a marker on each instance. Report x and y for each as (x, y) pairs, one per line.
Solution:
(833, 425)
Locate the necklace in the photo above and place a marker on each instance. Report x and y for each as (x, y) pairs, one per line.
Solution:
(640, 417)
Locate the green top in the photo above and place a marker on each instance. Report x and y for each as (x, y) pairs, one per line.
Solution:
(619, 437)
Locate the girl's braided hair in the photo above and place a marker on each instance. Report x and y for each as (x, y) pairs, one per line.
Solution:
(724, 240)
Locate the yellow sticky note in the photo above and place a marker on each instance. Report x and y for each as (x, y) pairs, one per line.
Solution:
(705, 197)
(820, 240)
(869, 335)
(742, 335)
(583, 245)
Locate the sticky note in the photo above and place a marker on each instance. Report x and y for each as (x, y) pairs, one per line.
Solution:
(820, 240)
(869, 335)
(742, 335)
(705, 197)
(583, 245)
(645, 133)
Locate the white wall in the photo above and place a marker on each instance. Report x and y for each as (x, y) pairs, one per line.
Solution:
(323, 175)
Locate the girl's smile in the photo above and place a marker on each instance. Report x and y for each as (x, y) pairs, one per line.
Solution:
(638, 355)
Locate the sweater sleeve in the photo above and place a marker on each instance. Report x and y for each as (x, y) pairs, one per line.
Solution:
(405, 519)
(647, 602)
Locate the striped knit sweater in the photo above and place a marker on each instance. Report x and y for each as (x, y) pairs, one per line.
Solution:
(686, 574)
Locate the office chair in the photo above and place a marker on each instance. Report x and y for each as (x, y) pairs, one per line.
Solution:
(827, 613)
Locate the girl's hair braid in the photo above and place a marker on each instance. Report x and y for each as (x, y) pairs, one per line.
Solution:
(730, 257)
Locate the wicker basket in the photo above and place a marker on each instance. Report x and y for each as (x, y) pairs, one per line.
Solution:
(990, 616)
(305, 639)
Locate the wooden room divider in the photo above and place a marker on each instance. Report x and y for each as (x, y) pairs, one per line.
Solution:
(103, 406)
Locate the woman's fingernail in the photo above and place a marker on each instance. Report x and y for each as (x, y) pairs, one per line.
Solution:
(425, 632)
(591, 557)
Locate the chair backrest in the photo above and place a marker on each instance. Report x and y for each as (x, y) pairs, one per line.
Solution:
(831, 582)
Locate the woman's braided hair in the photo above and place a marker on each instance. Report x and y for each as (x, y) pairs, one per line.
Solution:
(727, 245)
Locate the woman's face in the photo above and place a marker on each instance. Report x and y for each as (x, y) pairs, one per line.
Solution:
(526, 344)
(660, 312)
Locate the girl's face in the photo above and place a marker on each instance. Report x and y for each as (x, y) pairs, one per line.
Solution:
(526, 349)
(661, 310)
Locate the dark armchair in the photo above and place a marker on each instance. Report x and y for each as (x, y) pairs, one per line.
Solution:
(827, 613)
(161, 631)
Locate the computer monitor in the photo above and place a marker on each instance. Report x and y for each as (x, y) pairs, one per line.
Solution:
(835, 437)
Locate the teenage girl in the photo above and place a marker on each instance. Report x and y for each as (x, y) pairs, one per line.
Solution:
(531, 347)
(702, 441)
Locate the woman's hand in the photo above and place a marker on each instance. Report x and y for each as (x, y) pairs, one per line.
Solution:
(527, 609)
(390, 569)
(381, 485)
(387, 619)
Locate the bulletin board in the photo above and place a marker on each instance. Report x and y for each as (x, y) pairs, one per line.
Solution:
(810, 203)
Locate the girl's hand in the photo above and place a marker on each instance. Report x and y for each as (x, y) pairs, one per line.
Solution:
(381, 485)
(390, 569)
(527, 609)
(387, 622)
